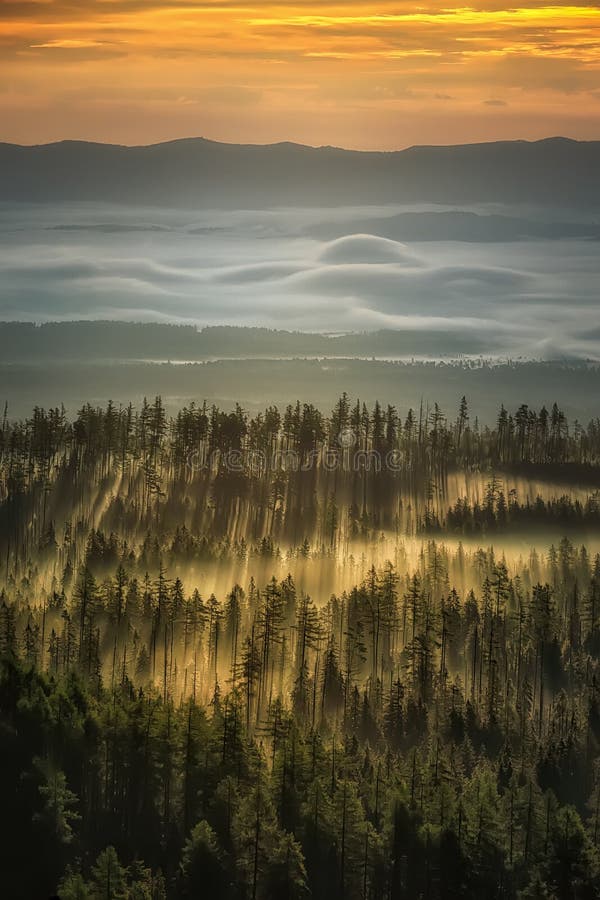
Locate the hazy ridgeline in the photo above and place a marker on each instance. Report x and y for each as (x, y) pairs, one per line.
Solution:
(196, 173)
(72, 363)
(291, 654)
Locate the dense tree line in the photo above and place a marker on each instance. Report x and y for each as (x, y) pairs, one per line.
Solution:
(396, 740)
(499, 512)
(525, 436)
(291, 476)
(269, 683)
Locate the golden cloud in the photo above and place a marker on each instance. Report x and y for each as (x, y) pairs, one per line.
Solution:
(289, 57)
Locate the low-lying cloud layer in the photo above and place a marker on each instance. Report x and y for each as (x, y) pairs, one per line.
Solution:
(519, 298)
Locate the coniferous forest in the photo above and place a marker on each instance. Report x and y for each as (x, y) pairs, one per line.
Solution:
(351, 654)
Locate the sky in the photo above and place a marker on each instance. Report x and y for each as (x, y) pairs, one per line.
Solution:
(361, 75)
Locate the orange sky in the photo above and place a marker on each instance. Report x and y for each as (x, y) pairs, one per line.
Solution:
(357, 74)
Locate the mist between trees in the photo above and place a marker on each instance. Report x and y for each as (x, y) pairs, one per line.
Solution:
(330, 459)
(293, 681)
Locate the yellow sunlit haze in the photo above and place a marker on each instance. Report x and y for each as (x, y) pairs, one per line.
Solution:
(364, 75)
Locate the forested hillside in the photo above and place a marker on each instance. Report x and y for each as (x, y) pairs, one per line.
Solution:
(292, 654)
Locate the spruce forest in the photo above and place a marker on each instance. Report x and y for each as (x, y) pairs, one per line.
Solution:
(349, 654)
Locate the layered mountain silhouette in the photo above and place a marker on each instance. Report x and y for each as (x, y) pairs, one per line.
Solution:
(458, 225)
(197, 172)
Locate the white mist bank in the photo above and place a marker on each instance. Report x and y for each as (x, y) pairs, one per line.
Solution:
(532, 298)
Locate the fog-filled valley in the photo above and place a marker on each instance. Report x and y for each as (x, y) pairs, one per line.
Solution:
(334, 297)
(500, 281)
(376, 629)
(300, 522)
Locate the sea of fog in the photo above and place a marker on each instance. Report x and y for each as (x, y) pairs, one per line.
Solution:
(302, 269)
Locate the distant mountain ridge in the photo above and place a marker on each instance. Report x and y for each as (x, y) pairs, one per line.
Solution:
(197, 172)
(104, 340)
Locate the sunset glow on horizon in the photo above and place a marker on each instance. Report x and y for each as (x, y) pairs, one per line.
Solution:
(358, 74)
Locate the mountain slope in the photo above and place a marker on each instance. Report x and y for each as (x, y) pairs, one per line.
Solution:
(197, 172)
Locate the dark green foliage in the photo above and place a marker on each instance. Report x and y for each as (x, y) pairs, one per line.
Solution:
(265, 683)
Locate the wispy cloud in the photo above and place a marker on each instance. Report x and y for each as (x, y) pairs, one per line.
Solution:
(69, 44)
(308, 67)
